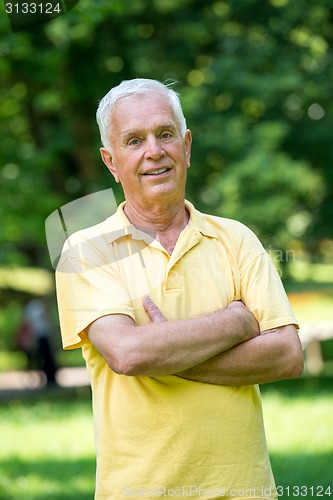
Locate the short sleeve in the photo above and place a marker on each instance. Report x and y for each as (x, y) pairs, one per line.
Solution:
(261, 288)
(263, 293)
(88, 287)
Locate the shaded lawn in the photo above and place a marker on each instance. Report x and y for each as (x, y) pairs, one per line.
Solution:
(310, 472)
(42, 478)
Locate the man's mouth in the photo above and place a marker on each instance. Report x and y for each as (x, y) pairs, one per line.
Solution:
(157, 171)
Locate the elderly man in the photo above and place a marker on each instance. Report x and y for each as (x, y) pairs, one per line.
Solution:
(179, 316)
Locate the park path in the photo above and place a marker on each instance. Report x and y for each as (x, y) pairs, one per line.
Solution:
(24, 384)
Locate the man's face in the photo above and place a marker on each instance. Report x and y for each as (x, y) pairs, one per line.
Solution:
(149, 155)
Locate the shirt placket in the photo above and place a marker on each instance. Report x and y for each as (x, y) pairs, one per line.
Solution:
(174, 277)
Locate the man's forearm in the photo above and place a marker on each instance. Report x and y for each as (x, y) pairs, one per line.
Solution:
(274, 355)
(166, 347)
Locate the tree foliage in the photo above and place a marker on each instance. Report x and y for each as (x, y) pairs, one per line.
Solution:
(256, 85)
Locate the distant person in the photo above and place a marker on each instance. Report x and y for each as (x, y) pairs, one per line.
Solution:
(179, 316)
(35, 338)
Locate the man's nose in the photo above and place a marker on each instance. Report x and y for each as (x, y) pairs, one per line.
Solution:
(153, 148)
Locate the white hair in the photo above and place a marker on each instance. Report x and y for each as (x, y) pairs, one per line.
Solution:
(129, 88)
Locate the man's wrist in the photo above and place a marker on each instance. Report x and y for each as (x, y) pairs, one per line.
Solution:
(242, 321)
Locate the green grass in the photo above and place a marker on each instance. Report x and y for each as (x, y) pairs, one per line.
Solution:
(298, 417)
(47, 450)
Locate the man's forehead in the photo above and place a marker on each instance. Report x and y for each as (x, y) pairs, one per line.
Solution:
(144, 112)
(157, 126)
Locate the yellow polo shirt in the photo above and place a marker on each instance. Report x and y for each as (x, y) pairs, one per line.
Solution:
(166, 436)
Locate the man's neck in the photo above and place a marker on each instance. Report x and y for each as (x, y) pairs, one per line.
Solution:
(167, 222)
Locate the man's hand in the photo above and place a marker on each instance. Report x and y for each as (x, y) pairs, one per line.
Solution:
(152, 310)
(245, 320)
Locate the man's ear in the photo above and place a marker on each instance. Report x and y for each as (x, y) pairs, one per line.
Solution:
(188, 143)
(107, 159)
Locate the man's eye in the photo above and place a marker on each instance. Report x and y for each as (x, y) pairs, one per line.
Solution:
(133, 142)
(166, 135)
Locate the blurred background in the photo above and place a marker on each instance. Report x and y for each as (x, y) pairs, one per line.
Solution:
(255, 79)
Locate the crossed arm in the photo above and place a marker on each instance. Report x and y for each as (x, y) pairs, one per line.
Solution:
(230, 352)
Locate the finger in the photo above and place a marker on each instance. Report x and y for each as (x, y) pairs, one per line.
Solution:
(152, 310)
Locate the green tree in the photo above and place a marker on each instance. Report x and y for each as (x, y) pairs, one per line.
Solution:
(255, 79)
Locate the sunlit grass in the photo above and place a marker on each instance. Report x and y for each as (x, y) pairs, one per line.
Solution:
(47, 451)
(18, 416)
(302, 270)
(299, 424)
(28, 279)
(298, 421)
(312, 304)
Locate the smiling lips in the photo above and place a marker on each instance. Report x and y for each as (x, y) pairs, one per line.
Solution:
(157, 171)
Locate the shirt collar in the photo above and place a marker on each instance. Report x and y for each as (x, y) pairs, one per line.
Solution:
(121, 226)
(198, 221)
